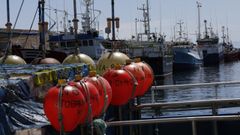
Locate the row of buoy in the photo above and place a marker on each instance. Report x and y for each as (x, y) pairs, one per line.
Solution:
(129, 81)
(74, 58)
(77, 102)
(80, 101)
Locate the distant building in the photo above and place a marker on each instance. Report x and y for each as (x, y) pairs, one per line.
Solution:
(21, 38)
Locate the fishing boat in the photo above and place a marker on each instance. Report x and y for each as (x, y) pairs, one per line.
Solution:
(61, 44)
(151, 47)
(185, 53)
(230, 53)
(210, 47)
(87, 40)
(33, 43)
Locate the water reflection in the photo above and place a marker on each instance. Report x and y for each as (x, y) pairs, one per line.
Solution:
(223, 72)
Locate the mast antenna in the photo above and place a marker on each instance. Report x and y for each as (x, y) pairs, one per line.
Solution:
(199, 5)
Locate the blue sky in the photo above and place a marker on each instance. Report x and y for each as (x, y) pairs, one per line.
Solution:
(218, 12)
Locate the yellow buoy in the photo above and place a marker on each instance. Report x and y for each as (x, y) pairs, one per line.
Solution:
(109, 60)
(12, 59)
(79, 58)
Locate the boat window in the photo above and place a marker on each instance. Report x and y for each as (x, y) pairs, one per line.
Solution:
(90, 42)
(85, 43)
(79, 43)
(71, 44)
(63, 44)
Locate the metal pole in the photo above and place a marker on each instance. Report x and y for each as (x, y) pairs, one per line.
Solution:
(8, 25)
(75, 25)
(130, 105)
(39, 23)
(148, 20)
(199, 5)
(113, 22)
(181, 86)
(120, 118)
(194, 129)
(175, 120)
(206, 32)
(8, 12)
(136, 30)
(43, 28)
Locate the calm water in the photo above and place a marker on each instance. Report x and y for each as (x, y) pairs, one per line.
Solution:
(223, 72)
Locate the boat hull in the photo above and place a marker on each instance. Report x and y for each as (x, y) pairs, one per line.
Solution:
(184, 60)
(231, 56)
(162, 66)
(30, 54)
(212, 54)
(213, 59)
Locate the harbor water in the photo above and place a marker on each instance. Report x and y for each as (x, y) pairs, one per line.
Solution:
(225, 72)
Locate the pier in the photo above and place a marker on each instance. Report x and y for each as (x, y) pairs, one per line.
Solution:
(195, 121)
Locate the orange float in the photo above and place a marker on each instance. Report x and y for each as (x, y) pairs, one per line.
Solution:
(91, 94)
(139, 75)
(63, 106)
(104, 89)
(123, 85)
(148, 76)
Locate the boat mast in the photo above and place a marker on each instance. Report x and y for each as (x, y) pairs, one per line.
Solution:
(64, 17)
(146, 19)
(223, 32)
(75, 25)
(8, 25)
(199, 5)
(86, 23)
(41, 6)
(206, 31)
(160, 18)
(113, 21)
(228, 40)
(180, 29)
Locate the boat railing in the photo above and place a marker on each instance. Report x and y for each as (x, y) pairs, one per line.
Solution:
(177, 86)
(213, 104)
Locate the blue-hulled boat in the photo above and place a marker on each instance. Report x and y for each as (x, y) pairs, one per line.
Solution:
(185, 54)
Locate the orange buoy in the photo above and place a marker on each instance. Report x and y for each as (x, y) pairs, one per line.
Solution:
(148, 76)
(91, 94)
(122, 83)
(104, 89)
(63, 106)
(138, 74)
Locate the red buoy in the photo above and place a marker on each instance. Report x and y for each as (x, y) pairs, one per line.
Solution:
(139, 75)
(148, 76)
(104, 89)
(91, 94)
(122, 83)
(63, 106)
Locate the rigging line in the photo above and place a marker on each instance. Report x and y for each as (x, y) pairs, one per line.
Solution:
(50, 18)
(19, 11)
(31, 27)
(9, 44)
